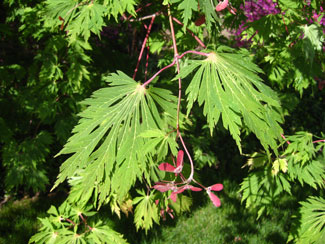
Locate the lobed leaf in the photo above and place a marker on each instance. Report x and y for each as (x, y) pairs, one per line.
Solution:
(228, 87)
(106, 142)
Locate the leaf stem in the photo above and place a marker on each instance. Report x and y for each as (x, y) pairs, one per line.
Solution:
(172, 64)
(191, 33)
(323, 140)
(177, 66)
(144, 45)
(284, 138)
(190, 178)
(176, 57)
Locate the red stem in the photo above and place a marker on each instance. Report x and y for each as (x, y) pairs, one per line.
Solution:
(70, 221)
(323, 140)
(286, 27)
(284, 138)
(190, 178)
(176, 57)
(172, 64)
(191, 33)
(147, 62)
(143, 45)
(177, 66)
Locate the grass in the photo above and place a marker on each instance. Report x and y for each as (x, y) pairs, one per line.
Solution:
(231, 223)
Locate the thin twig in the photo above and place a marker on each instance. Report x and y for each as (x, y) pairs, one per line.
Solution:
(145, 17)
(323, 140)
(138, 10)
(179, 93)
(177, 67)
(190, 178)
(143, 45)
(191, 33)
(172, 64)
(147, 62)
(284, 138)
(286, 27)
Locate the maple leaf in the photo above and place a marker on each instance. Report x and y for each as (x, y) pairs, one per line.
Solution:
(188, 6)
(106, 142)
(146, 211)
(228, 87)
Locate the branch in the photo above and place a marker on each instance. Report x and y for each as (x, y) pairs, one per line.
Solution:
(190, 178)
(145, 17)
(191, 33)
(172, 64)
(144, 44)
(284, 138)
(179, 94)
(323, 140)
(177, 66)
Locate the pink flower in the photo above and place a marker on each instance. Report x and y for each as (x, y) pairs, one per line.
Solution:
(222, 5)
(170, 168)
(215, 200)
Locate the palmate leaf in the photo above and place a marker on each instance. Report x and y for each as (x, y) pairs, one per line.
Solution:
(209, 11)
(146, 211)
(83, 17)
(312, 229)
(228, 86)
(187, 6)
(106, 142)
(102, 233)
(311, 173)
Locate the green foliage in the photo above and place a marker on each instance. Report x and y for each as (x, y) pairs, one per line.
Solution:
(54, 54)
(84, 17)
(187, 6)
(292, 54)
(70, 224)
(265, 186)
(25, 161)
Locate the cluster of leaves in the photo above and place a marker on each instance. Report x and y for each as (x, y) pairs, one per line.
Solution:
(289, 36)
(70, 224)
(303, 161)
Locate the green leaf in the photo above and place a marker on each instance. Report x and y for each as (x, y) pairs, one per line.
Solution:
(106, 142)
(228, 86)
(301, 148)
(311, 173)
(146, 211)
(101, 233)
(209, 11)
(312, 229)
(187, 6)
